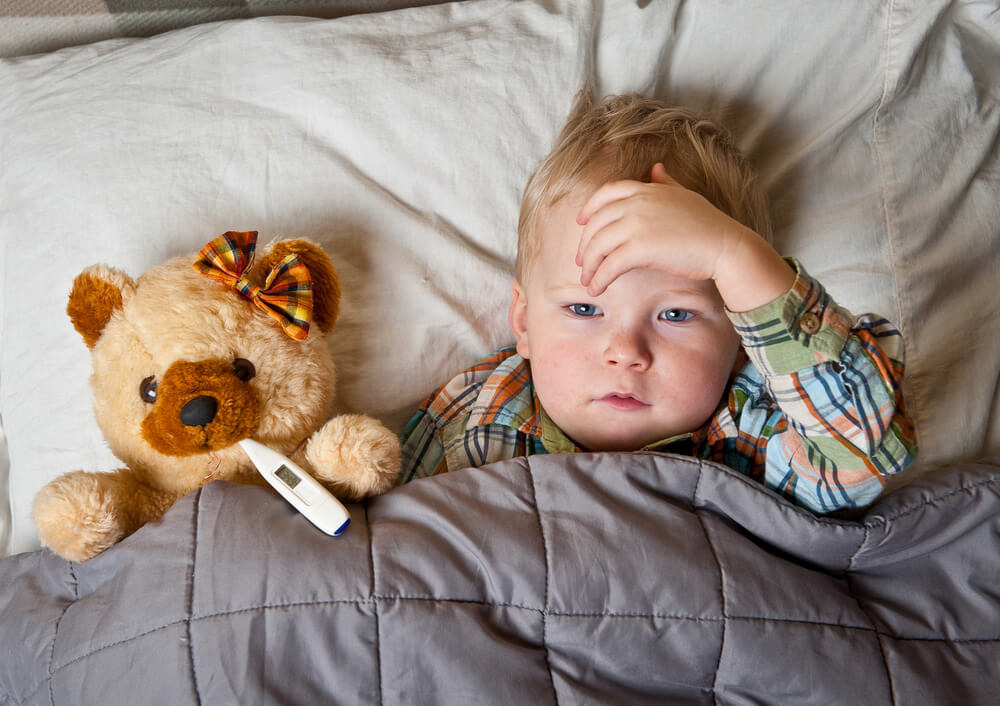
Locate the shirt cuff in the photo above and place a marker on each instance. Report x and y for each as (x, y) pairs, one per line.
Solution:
(799, 329)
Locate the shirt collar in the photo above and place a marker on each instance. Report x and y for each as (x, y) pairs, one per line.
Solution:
(508, 398)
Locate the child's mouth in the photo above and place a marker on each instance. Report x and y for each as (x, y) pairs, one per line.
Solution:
(623, 401)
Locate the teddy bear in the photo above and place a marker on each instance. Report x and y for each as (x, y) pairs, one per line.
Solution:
(194, 356)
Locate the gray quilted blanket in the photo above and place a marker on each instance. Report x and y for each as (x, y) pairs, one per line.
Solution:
(618, 579)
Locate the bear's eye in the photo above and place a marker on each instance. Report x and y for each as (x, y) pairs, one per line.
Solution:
(147, 389)
(244, 369)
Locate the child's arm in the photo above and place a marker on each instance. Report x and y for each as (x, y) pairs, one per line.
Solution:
(820, 415)
(832, 426)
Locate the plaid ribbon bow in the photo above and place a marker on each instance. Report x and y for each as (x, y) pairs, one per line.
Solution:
(287, 292)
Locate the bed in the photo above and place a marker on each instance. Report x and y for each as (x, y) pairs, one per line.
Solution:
(398, 135)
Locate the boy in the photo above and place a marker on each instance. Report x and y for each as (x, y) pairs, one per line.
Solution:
(650, 311)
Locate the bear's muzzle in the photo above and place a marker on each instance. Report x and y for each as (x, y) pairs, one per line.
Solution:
(201, 407)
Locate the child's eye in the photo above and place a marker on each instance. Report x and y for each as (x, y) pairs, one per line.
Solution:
(675, 315)
(584, 310)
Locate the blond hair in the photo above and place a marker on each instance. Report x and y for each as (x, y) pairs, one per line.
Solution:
(622, 137)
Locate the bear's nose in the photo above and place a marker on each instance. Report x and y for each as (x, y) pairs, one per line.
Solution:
(199, 411)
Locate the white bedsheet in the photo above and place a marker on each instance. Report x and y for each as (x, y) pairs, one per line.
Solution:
(401, 141)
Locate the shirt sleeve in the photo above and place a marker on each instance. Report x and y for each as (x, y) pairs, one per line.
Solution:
(422, 450)
(836, 426)
(437, 438)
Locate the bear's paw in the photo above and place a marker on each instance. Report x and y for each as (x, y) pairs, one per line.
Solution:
(76, 517)
(355, 456)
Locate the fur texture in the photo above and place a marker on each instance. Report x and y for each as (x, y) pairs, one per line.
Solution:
(172, 337)
(236, 415)
(97, 293)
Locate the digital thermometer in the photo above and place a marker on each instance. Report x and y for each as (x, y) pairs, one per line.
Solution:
(299, 488)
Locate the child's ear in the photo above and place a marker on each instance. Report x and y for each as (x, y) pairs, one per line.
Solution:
(517, 319)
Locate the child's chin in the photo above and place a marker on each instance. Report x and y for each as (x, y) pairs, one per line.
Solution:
(613, 435)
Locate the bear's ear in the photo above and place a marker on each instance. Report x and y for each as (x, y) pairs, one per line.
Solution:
(326, 285)
(96, 293)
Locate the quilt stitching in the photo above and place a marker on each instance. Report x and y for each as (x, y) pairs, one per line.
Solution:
(878, 639)
(52, 654)
(805, 514)
(55, 631)
(861, 545)
(881, 635)
(545, 556)
(934, 500)
(96, 650)
(375, 597)
(196, 515)
(573, 614)
(722, 586)
(609, 614)
(76, 580)
(722, 597)
(553, 613)
(735, 476)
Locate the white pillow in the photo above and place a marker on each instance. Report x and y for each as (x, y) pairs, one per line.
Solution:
(401, 142)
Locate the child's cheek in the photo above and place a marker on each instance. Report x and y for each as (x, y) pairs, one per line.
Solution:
(708, 382)
(558, 367)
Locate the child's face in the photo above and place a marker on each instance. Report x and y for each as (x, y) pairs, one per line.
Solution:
(647, 359)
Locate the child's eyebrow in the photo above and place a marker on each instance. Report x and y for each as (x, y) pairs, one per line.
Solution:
(693, 293)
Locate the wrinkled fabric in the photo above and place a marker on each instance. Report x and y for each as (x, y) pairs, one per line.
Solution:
(401, 143)
(585, 578)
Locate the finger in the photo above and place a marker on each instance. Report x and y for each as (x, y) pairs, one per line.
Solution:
(658, 175)
(601, 244)
(612, 191)
(597, 222)
(619, 261)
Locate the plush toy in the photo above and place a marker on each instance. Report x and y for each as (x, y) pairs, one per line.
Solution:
(188, 361)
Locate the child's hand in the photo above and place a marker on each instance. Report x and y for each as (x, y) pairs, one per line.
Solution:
(631, 225)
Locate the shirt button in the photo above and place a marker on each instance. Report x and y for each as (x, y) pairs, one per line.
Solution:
(810, 323)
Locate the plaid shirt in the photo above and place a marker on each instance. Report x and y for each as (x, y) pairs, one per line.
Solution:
(817, 413)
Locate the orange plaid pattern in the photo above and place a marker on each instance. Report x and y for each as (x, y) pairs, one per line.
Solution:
(287, 294)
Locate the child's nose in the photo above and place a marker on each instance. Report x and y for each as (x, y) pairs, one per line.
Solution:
(628, 350)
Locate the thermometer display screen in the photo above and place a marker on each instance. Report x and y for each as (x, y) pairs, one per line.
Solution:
(287, 476)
